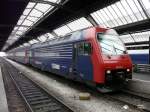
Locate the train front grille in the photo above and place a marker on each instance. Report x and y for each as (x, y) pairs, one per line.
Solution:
(116, 76)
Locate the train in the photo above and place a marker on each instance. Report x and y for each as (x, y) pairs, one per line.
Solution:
(95, 56)
(140, 58)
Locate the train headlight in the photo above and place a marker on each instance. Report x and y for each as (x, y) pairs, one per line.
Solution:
(108, 71)
(128, 70)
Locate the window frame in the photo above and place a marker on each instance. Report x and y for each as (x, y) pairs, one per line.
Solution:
(84, 53)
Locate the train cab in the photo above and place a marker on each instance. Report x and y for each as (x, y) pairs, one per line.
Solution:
(117, 63)
(111, 62)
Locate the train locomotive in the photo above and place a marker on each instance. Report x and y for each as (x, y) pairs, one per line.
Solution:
(94, 55)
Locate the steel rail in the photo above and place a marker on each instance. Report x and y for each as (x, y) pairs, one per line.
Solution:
(51, 100)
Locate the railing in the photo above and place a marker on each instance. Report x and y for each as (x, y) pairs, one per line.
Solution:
(142, 68)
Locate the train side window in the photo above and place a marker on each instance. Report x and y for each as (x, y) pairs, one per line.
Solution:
(84, 48)
(87, 48)
(80, 49)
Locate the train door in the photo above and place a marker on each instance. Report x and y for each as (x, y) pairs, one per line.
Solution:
(82, 65)
(27, 56)
(74, 59)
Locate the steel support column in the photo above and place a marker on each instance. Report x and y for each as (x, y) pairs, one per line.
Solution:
(46, 2)
(149, 49)
(54, 34)
(91, 20)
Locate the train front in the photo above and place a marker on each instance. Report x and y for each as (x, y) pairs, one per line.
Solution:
(117, 63)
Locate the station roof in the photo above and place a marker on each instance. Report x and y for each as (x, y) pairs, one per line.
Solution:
(10, 11)
(46, 19)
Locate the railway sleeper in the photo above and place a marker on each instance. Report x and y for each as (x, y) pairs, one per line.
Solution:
(40, 102)
(33, 96)
(44, 107)
(38, 98)
(31, 91)
(50, 105)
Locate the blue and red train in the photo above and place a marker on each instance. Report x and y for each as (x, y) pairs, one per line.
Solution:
(140, 58)
(94, 55)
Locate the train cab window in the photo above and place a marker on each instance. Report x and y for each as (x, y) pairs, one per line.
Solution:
(110, 43)
(84, 48)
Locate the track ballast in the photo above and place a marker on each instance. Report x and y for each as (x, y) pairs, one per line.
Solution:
(34, 96)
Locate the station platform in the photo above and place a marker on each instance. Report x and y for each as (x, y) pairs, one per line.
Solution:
(3, 100)
(141, 76)
(140, 83)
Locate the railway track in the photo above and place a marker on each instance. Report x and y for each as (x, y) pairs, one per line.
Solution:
(138, 95)
(35, 98)
(124, 97)
(14, 100)
(131, 99)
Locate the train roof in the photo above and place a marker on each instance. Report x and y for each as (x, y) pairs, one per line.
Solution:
(73, 37)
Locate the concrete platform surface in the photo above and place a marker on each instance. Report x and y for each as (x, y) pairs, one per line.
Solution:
(139, 86)
(3, 100)
(140, 83)
(142, 76)
(67, 93)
